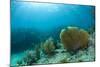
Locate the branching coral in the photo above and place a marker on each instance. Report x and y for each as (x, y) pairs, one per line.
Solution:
(74, 38)
(48, 46)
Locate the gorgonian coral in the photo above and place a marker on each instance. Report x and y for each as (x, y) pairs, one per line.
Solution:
(74, 38)
(48, 46)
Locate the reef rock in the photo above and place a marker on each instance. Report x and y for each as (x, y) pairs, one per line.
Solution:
(74, 38)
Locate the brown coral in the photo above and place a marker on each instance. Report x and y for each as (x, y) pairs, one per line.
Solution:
(74, 38)
(48, 46)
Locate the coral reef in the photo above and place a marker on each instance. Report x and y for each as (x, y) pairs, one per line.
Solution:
(48, 46)
(29, 59)
(63, 56)
(74, 38)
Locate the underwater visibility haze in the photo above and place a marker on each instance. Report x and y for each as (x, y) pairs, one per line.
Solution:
(44, 32)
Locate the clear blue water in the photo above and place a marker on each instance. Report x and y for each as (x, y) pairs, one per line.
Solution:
(34, 22)
(45, 17)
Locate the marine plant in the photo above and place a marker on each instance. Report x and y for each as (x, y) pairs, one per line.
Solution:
(48, 46)
(74, 38)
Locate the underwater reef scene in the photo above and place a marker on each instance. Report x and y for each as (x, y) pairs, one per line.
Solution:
(49, 33)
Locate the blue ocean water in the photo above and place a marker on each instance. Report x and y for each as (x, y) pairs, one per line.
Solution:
(33, 22)
(45, 16)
